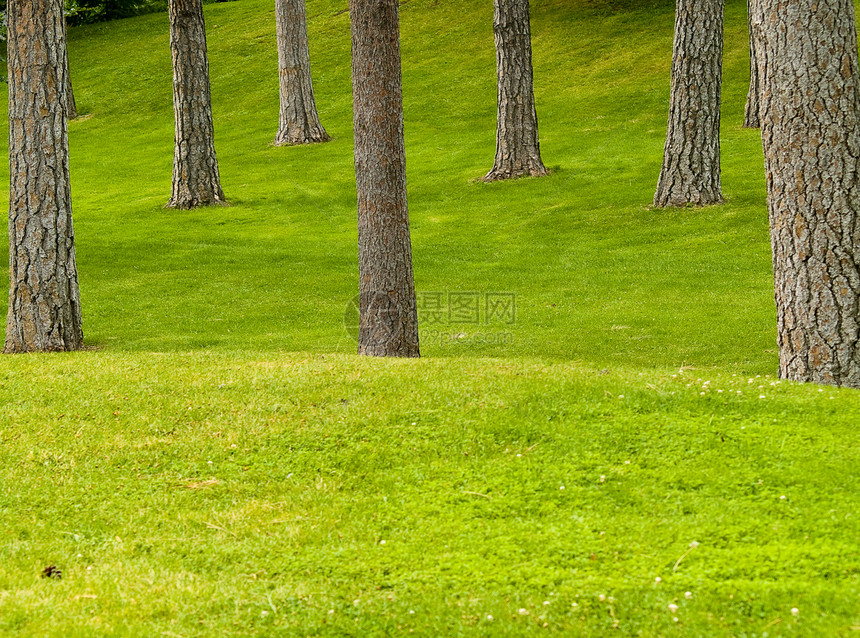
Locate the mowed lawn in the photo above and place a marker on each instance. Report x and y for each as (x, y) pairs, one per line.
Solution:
(594, 441)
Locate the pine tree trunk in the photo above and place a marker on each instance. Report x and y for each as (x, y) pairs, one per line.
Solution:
(196, 181)
(691, 157)
(517, 145)
(70, 95)
(388, 318)
(299, 121)
(44, 300)
(751, 109)
(811, 138)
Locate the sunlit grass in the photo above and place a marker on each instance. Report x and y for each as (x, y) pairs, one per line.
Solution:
(222, 464)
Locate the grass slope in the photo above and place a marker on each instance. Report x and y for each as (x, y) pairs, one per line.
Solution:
(224, 465)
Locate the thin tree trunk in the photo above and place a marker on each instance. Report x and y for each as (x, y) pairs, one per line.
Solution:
(517, 144)
(299, 121)
(196, 181)
(44, 299)
(811, 138)
(751, 109)
(70, 95)
(691, 157)
(388, 316)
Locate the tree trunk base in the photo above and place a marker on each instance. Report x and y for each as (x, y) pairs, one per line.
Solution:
(498, 174)
(180, 203)
(294, 138)
(685, 200)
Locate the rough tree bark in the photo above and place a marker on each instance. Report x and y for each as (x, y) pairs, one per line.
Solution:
(196, 181)
(691, 157)
(517, 144)
(44, 299)
(811, 138)
(299, 121)
(70, 94)
(751, 109)
(388, 317)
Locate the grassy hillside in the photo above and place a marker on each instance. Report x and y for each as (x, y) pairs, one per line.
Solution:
(598, 276)
(222, 464)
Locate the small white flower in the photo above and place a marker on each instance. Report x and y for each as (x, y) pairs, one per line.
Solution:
(602, 478)
(795, 611)
(782, 498)
(80, 555)
(673, 607)
(89, 568)
(694, 544)
(626, 462)
(330, 612)
(761, 396)
(356, 601)
(264, 613)
(658, 580)
(701, 394)
(523, 612)
(546, 602)
(574, 605)
(411, 611)
(490, 617)
(602, 597)
(675, 618)
(561, 487)
(382, 542)
(519, 455)
(688, 595)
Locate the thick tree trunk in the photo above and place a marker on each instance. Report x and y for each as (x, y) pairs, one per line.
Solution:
(811, 138)
(691, 157)
(299, 121)
(70, 95)
(517, 145)
(751, 109)
(196, 181)
(388, 314)
(44, 300)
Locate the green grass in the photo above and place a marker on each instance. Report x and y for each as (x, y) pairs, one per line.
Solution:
(223, 464)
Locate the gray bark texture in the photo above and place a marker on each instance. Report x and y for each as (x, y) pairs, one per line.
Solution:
(811, 138)
(196, 181)
(691, 157)
(752, 106)
(517, 144)
(299, 121)
(388, 314)
(44, 299)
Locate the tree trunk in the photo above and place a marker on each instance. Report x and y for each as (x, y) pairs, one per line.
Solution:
(195, 167)
(811, 138)
(517, 145)
(751, 110)
(691, 157)
(299, 121)
(388, 314)
(44, 300)
(70, 95)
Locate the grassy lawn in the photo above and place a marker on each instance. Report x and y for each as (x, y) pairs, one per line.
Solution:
(221, 463)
